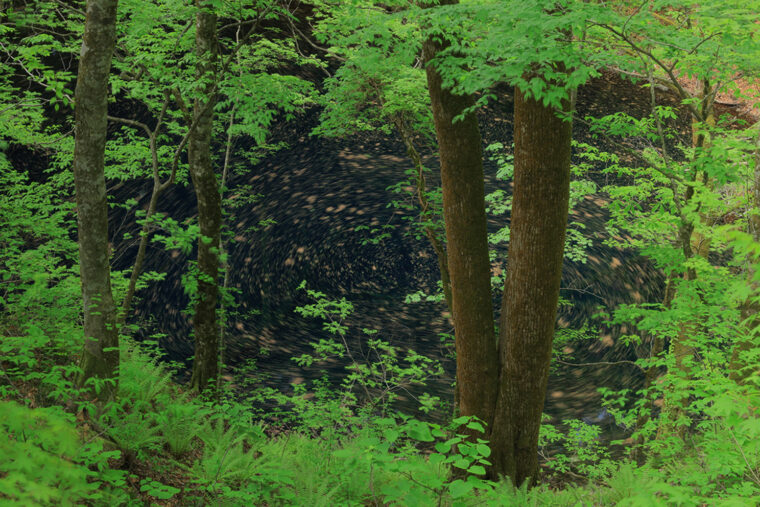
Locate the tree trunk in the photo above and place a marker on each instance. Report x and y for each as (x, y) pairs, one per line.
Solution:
(467, 244)
(100, 357)
(158, 188)
(693, 243)
(140, 259)
(531, 294)
(205, 364)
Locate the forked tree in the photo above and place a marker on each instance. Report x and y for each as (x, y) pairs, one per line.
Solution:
(506, 391)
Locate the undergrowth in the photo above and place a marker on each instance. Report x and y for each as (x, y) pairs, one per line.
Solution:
(159, 445)
(320, 443)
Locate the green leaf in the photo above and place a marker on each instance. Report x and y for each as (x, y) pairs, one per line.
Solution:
(459, 488)
(420, 431)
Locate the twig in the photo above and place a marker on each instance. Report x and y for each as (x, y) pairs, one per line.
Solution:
(634, 153)
(744, 457)
(600, 363)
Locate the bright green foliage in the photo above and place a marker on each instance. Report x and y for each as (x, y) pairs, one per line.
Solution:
(158, 70)
(233, 468)
(499, 202)
(157, 489)
(39, 287)
(711, 40)
(31, 32)
(380, 84)
(178, 423)
(525, 44)
(45, 461)
(381, 373)
(583, 455)
(342, 443)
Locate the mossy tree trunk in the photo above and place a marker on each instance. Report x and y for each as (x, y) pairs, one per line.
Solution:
(205, 364)
(100, 357)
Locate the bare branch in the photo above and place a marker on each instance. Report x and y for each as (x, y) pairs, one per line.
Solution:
(599, 363)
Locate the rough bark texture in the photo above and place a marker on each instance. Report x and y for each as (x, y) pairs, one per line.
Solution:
(529, 307)
(466, 234)
(205, 365)
(100, 357)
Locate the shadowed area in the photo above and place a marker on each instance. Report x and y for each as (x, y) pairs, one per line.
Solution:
(317, 191)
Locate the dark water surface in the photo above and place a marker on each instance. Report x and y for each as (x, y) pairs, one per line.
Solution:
(318, 191)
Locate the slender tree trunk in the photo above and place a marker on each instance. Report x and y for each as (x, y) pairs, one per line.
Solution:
(467, 244)
(222, 242)
(158, 188)
(529, 307)
(693, 242)
(209, 204)
(140, 259)
(100, 357)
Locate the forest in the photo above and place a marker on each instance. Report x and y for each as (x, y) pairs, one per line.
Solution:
(350, 252)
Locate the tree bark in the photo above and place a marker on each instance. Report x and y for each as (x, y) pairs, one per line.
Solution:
(205, 364)
(467, 244)
(100, 357)
(529, 307)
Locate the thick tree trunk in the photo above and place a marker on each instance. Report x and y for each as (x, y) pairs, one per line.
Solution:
(467, 245)
(100, 358)
(529, 307)
(205, 365)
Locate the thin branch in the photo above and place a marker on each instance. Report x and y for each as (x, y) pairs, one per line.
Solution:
(132, 123)
(751, 469)
(636, 11)
(583, 291)
(600, 363)
(71, 8)
(237, 24)
(635, 154)
(668, 69)
(19, 104)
